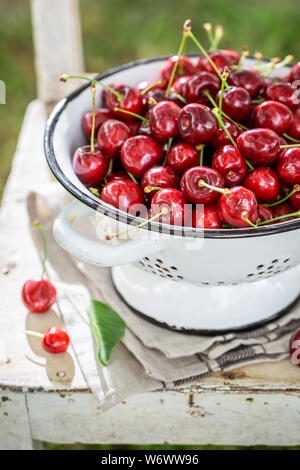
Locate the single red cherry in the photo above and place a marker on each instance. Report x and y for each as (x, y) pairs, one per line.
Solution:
(282, 209)
(185, 67)
(139, 153)
(163, 119)
(206, 217)
(282, 92)
(273, 115)
(246, 79)
(295, 345)
(122, 194)
(197, 124)
(176, 204)
(234, 56)
(236, 103)
(159, 177)
(38, 295)
(195, 88)
(220, 60)
(221, 138)
(90, 167)
(295, 200)
(118, 175)
(264, 213)
(101, 115)
(181, 157)
(229, 162)
(55, 340)
(295, 73)
(237, 206)
(193, 190)
(259, 146)
(263, 181)
(288, 165)
(132, 101)
(265, 83)
(134, 127)
(111, 136)
(294, 130)
(155, 95)
(179, 83)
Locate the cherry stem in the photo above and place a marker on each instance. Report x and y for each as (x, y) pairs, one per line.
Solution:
(93, 90)
(208, 29)
(149, 189)
(219, 32)
(245, 217)
(290, 138)
(149, 87)
(201, 155)
(293, 214)
(64, 78)
(181, 98)
(244, 54)
(179, 53)
(295, 190)
(214, 188)
(132, 177)
(206, 93)
(169, 146)
(138, 116)
(194, 39)
(289, 146)
(34, 333)
(95, 191)
(114, 235)
(44, 243)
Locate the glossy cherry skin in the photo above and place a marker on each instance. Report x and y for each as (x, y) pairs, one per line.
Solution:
(200, 194)
(236, 103)
(179, 83)
(184, 67)
(111, 136)
(265, 83)
(182, 156)
(233, 207)
(197, 124)
(295, 73)
(263, 181)
(233, 55)
(294, 130)
(229, 162)
(90, 167)
(118, 175)
(220, 60)
(159, 177)
(122, 194)
(38, 295)
(273, 115)
(133, 126)
(264, 213)
(206, 217)
(101, 115)
(282, 209)
(282, 92)
(175, 202)
(294, 345)
(221, 138)
(132, 101)
(288, 165)
(295, 200)
(198, 84)
(55, 340)
(139, 153)
(155, 95)
(259, 146)
(163, 119)
(246, 79)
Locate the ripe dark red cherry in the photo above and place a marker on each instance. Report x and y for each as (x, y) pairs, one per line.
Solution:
(220, 60)
(295, 73)
(221, 138)
(263, 181)
(282, 209)
(206, 217)
(90, 167)
(295, 347)
(273, 115)
(282, 92)
(139, 153)
(265, 83)
(133, 127)
(132, 101)
(194, 192)
(234, 56)
(55, 340)
(118, 175)
(184, 67)
(38, 295)
(246, 79)
(294, 130)
(111, 136)
(264, 213)
(295, 200)
(175, 202)
(178, 85)
(122, 194)
(197, 124)
(194, 89)
(237, 205)
(159, 177)
(181, 157)
(288, 165)
(229, 162)
(155, 95)
(236, 103)
(259, 146)
(163, 119)
(101, 115)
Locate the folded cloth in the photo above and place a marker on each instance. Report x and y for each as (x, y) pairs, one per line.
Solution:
(148, 357)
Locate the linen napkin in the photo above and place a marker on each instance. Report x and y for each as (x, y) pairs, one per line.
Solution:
(148, 357)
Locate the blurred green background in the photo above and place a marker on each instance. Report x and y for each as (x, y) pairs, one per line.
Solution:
(118, 31)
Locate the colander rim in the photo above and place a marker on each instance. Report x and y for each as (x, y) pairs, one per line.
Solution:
(123, 216)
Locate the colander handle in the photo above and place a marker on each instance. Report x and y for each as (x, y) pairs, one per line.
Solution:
(96, 251)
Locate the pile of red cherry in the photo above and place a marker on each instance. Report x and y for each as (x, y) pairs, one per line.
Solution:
(228, 140)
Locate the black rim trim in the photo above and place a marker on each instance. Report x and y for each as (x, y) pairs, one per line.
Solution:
(124, 217)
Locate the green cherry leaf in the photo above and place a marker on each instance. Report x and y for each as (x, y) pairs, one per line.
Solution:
(108, 328)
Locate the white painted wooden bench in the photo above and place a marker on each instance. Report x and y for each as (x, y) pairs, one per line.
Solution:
(50, 402)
